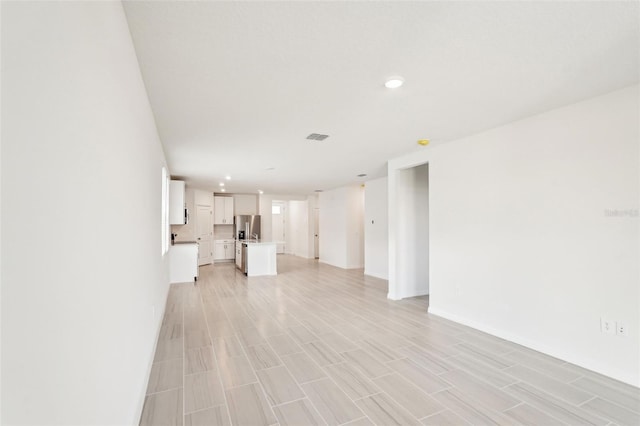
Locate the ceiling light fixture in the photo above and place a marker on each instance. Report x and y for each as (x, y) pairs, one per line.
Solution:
(362, 175)
(227, 177)
(260, 191)
(317, 137)
(223, 190)
(221, 184)
(394, 82)
(423, 142)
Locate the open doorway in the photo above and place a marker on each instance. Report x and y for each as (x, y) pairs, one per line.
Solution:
(278, 225)
(316, 233)
(412, 238)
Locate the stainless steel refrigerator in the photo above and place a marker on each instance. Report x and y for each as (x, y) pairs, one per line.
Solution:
(247, 227)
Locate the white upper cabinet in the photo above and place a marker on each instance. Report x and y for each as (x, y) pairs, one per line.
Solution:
(176, 203)
(222, 210)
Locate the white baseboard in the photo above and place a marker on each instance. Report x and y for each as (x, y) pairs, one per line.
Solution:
(606, 370)
(371, 274)
(153, 355)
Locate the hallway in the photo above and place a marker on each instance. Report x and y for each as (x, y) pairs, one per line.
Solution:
(321, 345)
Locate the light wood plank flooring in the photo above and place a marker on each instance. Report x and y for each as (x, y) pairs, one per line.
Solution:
(318, 345)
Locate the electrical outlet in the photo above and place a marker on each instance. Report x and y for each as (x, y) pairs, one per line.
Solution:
(622, 329)
(607, 326)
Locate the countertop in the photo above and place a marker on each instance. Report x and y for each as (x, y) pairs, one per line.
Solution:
(256, 242)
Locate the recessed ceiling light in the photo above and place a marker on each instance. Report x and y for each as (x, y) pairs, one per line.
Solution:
(260, 191)
(317, 137)
(394, 82)
(362, 175)
(223, 190)
(221, 184)
(423, 142)
(227, 177)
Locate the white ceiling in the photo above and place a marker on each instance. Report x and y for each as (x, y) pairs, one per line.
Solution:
(236, 87)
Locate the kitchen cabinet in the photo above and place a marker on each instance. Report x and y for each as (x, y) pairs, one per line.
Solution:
(224, 250)
(222, 210)
(183, 262)
(177, 212)
(261, 259)
(239, 254)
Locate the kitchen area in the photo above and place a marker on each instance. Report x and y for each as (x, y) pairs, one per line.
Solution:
(219, 229)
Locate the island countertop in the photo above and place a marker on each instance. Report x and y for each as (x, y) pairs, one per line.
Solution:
(256, 242)
(258, 258)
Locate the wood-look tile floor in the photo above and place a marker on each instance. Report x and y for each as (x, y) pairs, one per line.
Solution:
(318, 345)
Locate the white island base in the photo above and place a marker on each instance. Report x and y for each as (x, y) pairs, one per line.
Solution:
(261, 259)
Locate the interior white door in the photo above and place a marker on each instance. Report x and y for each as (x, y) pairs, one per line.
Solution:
(277, 225)
(316, 233)
(204, 234)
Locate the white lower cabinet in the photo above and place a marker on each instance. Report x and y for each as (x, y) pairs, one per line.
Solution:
(224, 250)
(183, 263)
(239, 254)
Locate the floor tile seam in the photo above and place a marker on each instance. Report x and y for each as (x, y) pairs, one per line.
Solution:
(292, 401)
(620, 391)
(610, 402)
(483, 382)
(328, 377)
(166, 360)
(539, 371)
(405, 408)
(184, 353)
(365, 397)
(546, 413)
(444, 408)
(477, 406)
(264, 393)
(553, 400)
(482, 379)
(355, 420)
(218, 373)
(591, 395)
(163, 391)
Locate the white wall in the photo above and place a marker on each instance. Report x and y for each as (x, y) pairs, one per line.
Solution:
(341, 227)
(83, 280)
(297, 234)
(264, 206)
(312, 207)
(522, 245)
(355, 227)
(376, 255)
(245, 204)
(412, 244)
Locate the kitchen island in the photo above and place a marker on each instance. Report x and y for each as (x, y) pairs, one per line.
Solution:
(183, 262)
(258, 258)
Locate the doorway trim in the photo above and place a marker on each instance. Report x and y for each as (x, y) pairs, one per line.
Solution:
(397, 281)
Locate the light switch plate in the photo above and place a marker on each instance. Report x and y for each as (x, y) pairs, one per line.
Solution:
(607, 325)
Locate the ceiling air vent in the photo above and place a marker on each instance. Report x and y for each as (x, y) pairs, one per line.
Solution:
(317, 137)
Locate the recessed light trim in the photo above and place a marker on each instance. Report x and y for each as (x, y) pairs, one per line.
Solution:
(260, 191)
(223, 190)
(221, 184)
(317, 137)
(394, 82)
(227, 177)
